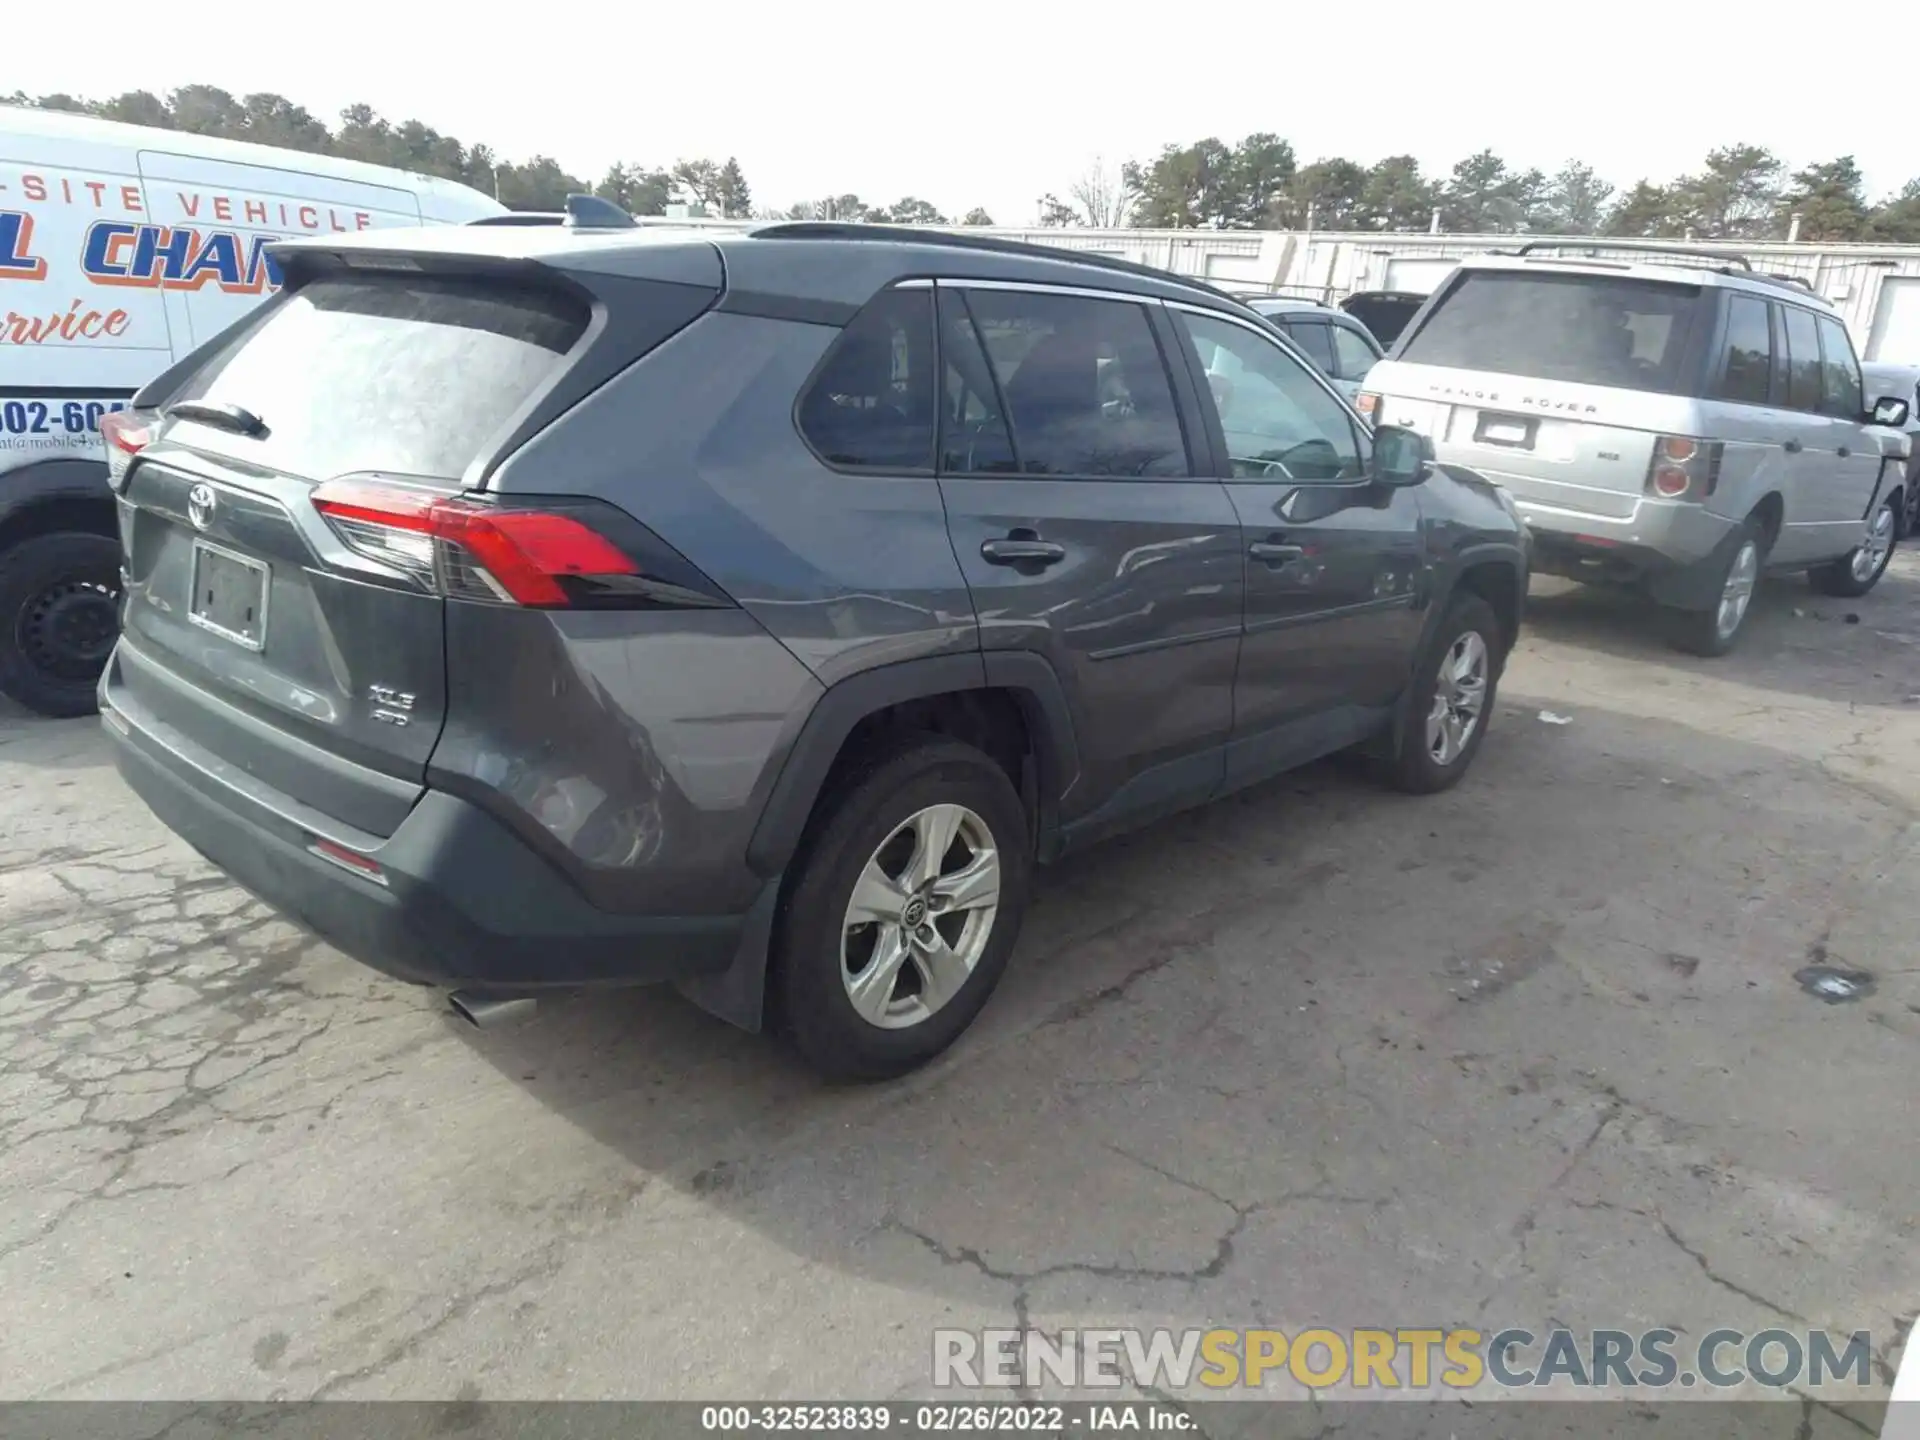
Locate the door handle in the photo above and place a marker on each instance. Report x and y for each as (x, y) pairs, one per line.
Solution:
(1273, 553)
(1845, 452)
(1792, 447)
(1021, 550)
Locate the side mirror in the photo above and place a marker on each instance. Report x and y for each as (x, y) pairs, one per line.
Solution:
(1889, 410)
(1401, 457)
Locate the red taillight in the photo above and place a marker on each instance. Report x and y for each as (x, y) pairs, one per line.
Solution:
(468, 549)
(1368, 404)
(1683, 468)
(126, 433)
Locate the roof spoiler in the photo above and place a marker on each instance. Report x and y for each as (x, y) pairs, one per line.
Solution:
(1254, 290)
(583, 212)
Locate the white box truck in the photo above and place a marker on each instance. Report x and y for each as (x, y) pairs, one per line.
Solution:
(122, 248)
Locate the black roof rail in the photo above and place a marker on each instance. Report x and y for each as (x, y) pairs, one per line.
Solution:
(1720, 260)
(992, 244)
(1786, 279)
(583, 212)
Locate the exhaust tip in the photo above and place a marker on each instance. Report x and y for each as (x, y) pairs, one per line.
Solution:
(484, 1013)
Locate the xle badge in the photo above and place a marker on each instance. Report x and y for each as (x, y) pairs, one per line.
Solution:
(391, 707)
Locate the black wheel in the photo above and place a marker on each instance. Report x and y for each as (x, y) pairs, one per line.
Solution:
(1910, 518)
(904, 911)
(59, 614)
(1860, 569)
(1712, 631)
(1453, 694)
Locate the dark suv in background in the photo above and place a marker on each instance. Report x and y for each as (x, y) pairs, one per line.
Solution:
(532, 606)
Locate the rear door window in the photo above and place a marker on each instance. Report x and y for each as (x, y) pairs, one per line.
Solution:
(1803, 359)
(404, 375)
(1747, 366)
(1841, 391)
(1589, 329)
(1312, 338)
(870, 405)
(974, 437)
(1083, 383)
(1352, 356)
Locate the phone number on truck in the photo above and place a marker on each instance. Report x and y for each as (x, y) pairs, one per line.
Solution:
(55, 417)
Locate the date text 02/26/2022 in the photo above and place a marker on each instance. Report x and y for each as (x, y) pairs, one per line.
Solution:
(944, 1418)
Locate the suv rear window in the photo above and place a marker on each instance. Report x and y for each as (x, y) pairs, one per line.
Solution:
(1589, 329)
(407, 375)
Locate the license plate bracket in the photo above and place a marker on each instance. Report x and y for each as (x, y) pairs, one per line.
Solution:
(229, 596)
(1515, 432)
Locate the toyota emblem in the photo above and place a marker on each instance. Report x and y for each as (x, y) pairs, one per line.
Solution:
(200, 503)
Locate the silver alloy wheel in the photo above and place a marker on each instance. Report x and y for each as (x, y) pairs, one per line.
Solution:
(920, 916)
(1737, 594)
(1874, 550)
(1459, 697)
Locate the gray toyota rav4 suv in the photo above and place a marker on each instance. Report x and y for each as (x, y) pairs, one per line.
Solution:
(531, 606)
(1665, 419)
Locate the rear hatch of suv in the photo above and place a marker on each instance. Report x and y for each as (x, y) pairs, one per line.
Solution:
(1385, 313)
(1555, 384)
(308, 502)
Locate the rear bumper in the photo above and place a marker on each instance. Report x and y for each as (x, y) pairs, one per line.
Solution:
(1692, 584)
(1665, 532)
(461, 900)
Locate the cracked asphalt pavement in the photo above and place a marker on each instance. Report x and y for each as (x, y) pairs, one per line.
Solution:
(1531, 1052)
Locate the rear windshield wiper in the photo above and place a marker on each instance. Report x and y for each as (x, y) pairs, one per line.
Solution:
(236, 418)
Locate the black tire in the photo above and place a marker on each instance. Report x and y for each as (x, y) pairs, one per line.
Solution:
(812, 1004)
(1414, 766)
(59, 612)
(1837, 577)
(1699, 632)
(1910, 518)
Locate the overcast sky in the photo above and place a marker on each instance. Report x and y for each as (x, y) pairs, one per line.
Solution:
(993, 102)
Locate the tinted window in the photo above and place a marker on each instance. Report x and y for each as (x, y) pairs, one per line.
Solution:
(1749, 357)
(1841, 388)
(1385, 316)
(1593, 330)
(973, 432)
(1083, 383)
(1352, 356)
(1803, 359)
(1311, 336)
(405, 375)
(871, 403)
(1280, 423)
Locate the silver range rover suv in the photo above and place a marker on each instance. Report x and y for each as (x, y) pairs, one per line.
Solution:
(1668, 419)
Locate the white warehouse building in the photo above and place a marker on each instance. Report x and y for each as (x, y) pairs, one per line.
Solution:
(1876, 288)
